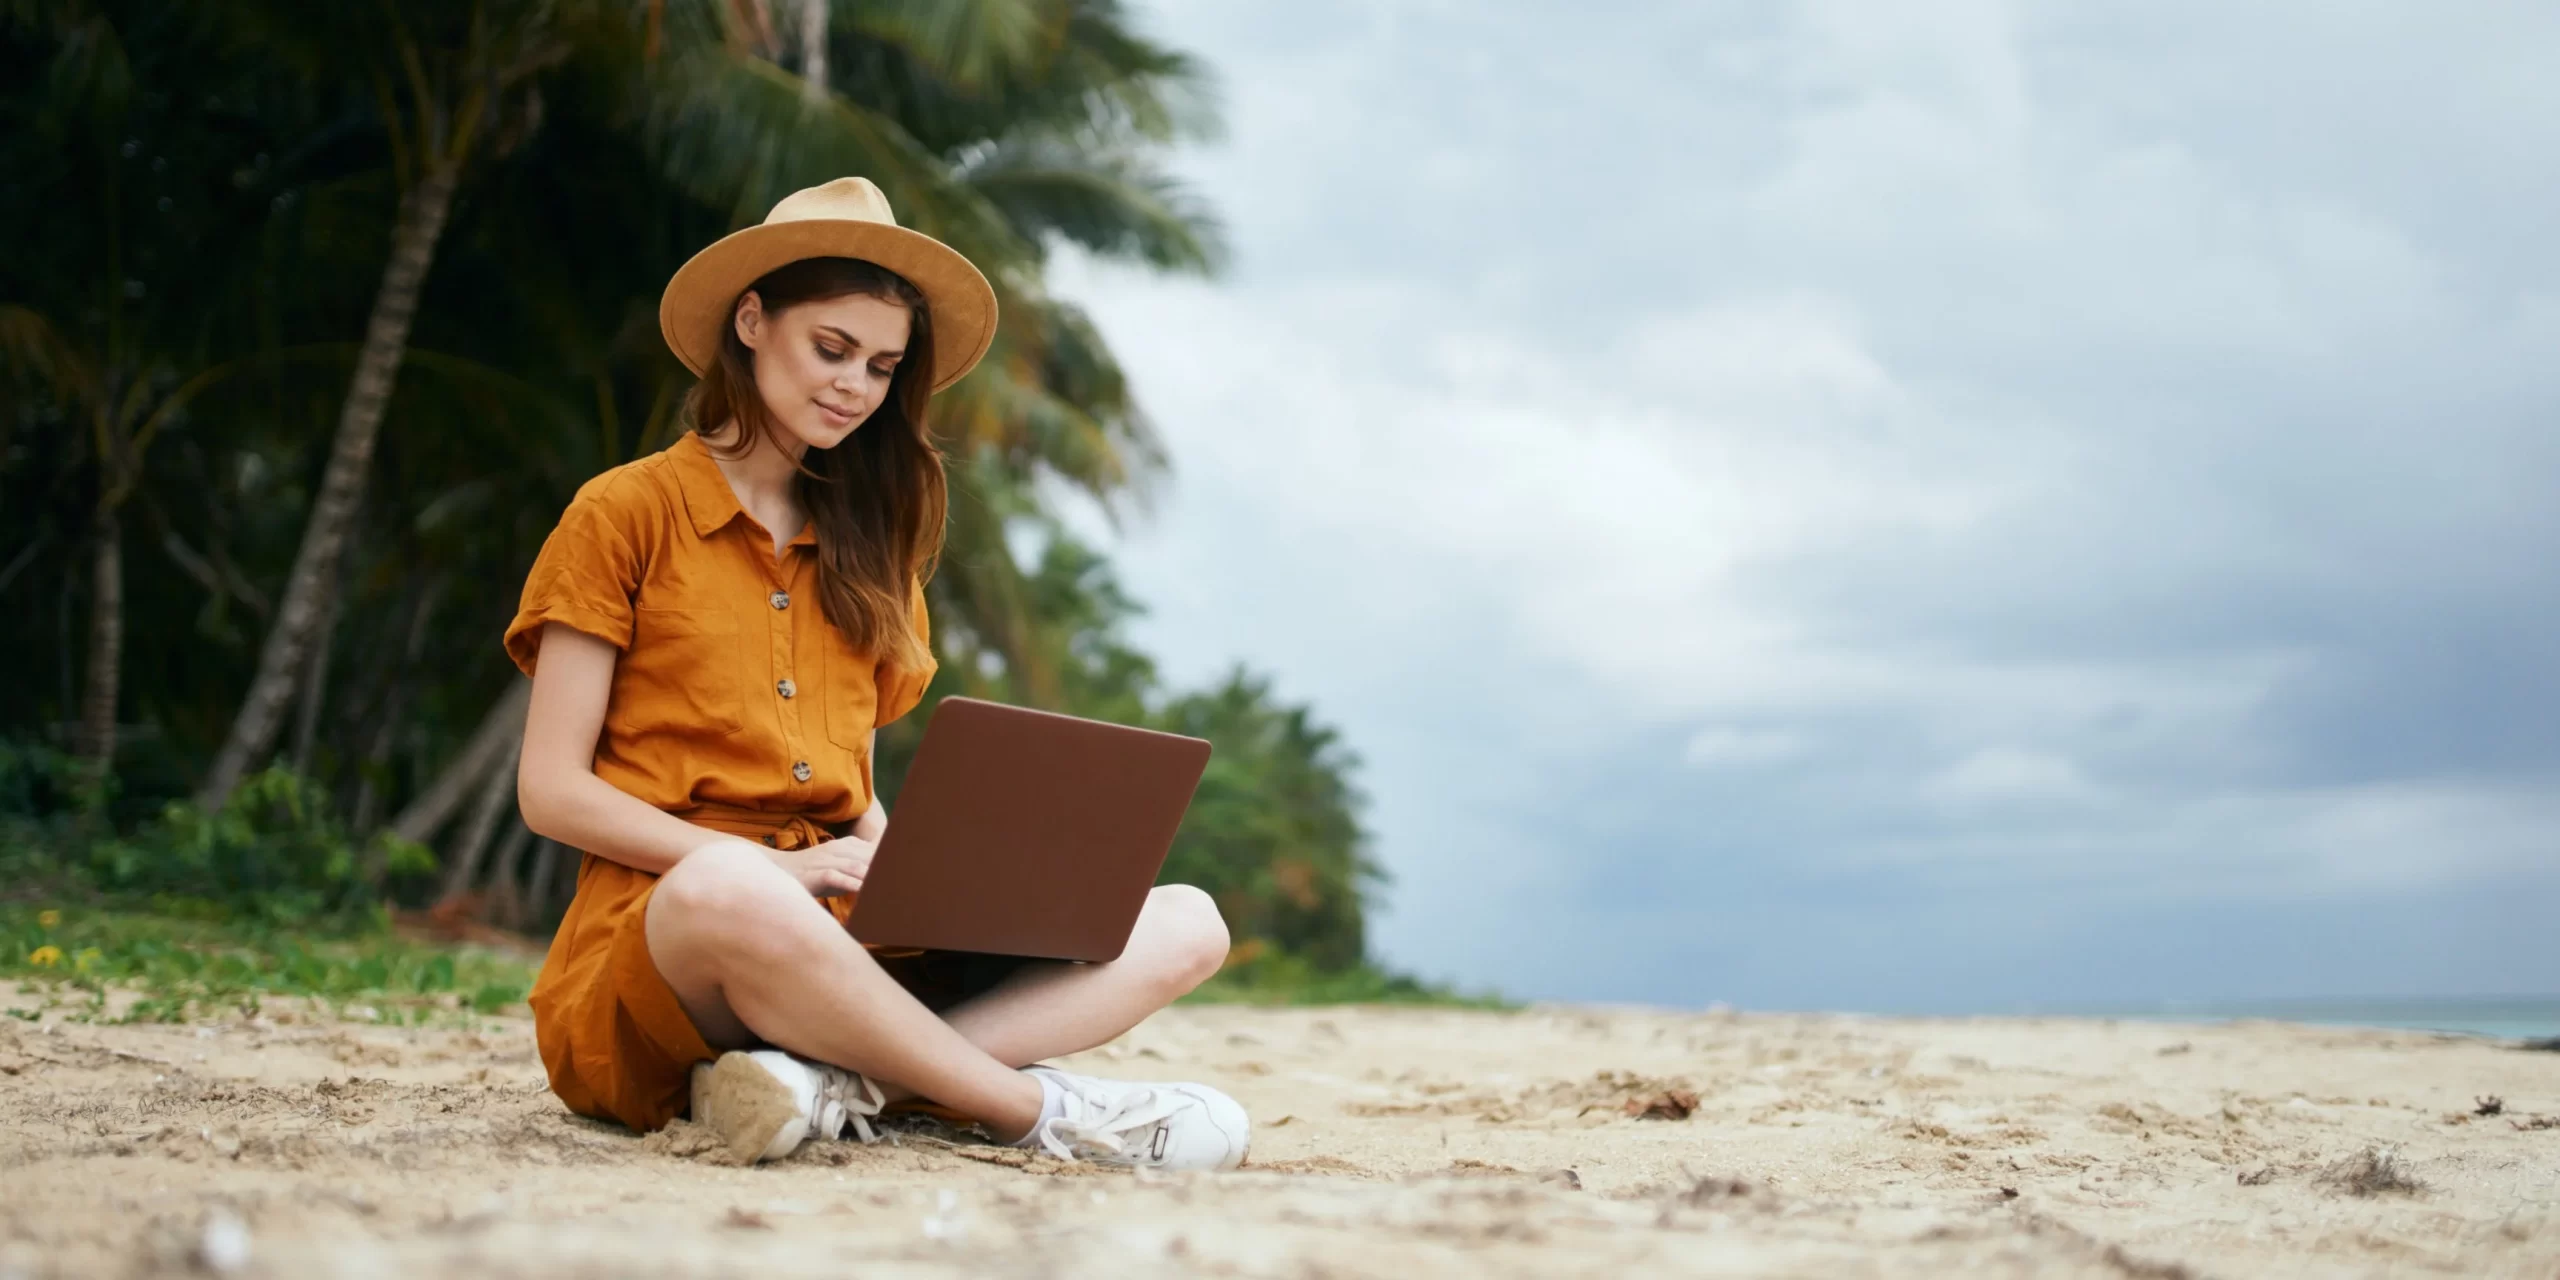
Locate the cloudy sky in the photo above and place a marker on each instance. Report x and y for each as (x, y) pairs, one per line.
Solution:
(1898, 506)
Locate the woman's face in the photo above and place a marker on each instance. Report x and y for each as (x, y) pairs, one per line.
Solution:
(823, 367)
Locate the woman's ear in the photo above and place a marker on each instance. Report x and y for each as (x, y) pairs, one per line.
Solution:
(749, 320)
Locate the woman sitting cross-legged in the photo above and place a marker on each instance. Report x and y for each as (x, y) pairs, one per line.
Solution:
(714, 634)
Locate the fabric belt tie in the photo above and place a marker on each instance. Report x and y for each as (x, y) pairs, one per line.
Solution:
(770, 829)
(783, 831)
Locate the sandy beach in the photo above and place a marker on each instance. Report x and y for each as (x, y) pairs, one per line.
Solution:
(1401, 1143)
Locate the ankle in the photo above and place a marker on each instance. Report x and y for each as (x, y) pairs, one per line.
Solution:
(1045, 1103)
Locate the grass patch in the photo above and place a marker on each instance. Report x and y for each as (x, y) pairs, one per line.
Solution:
(1258, 976)
(180, 960)
(180, 966)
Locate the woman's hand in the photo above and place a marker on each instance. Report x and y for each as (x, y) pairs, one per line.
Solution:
(830, 869)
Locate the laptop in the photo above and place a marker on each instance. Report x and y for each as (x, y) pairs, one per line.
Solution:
(1026, 833)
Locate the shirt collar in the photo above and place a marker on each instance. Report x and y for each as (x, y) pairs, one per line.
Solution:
(707, 496)
(708, 499)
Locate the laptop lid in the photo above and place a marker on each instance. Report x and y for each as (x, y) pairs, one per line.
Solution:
(1027, 833)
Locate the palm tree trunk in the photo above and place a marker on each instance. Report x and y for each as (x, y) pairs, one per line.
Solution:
(315, 684)
(106, 648)
(27, 555)
(813, 49)
(387, 721)
(501, 733)
(502, 903)
(497, 796)
(325, 535)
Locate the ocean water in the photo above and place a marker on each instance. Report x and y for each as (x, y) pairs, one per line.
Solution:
(2501, 1018)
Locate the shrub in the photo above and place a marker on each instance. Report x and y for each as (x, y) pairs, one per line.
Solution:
(275, 852)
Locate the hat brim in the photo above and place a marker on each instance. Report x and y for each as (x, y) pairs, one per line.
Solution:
(694, 313)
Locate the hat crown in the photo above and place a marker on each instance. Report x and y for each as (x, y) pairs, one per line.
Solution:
(846, 218)
(842, 200)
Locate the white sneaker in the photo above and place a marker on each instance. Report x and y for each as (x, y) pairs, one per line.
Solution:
(1156, 1126)
(764, 1104)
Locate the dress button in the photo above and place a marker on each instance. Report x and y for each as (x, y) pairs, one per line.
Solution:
(800, 770)
(787, 689)
(781, 599)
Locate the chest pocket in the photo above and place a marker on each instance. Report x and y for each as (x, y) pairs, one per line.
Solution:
(852, 697)
(685, 673)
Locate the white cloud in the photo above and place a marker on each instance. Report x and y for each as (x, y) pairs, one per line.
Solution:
(2011, 776)
(1723, 746)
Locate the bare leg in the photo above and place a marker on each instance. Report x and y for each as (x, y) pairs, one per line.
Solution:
(1049, 1010)
(752, 956)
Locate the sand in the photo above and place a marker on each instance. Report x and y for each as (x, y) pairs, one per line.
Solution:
(1390, 1143)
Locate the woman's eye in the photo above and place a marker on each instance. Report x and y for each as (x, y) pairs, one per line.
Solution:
(828, 353)
(883, 370)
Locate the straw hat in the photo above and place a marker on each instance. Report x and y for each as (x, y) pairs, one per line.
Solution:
(846, 218)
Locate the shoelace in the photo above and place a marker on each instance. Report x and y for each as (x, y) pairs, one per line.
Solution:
(1106, 1129)
(848, 1097)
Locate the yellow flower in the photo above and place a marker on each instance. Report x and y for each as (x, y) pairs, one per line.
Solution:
(86, 956)
(48, 919)
(45, 957)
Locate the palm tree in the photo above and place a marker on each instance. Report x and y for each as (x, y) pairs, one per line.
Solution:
(452, 83)
(119, 398)
(119, 346)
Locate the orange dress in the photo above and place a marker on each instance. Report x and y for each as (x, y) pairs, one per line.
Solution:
(736, 705)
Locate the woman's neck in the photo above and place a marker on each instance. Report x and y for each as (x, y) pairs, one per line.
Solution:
(761, 478)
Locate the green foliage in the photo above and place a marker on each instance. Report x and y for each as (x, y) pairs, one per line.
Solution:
(276, 854)
(1274, 830)
(41, 790)
(1270, 977)
(72, 957)
(275, 851)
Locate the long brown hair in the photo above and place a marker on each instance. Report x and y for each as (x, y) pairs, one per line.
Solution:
(877, 501)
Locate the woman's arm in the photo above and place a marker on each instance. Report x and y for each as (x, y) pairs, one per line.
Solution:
(562, 798)
(556, 782)
(874, 822)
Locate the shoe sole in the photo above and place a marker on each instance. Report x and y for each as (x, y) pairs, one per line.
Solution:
(744, 1106)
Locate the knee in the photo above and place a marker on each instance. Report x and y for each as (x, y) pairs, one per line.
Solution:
(1190, 936)
(733, 893)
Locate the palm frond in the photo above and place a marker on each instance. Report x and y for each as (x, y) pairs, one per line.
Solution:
(92, 63)
(737, 132)
(1158, 93)
(1117, 204)
(983, 588)
(967, 42)
(38, 356)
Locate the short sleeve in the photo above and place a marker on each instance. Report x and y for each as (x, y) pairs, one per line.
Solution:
(586, 576)
(899, 689)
